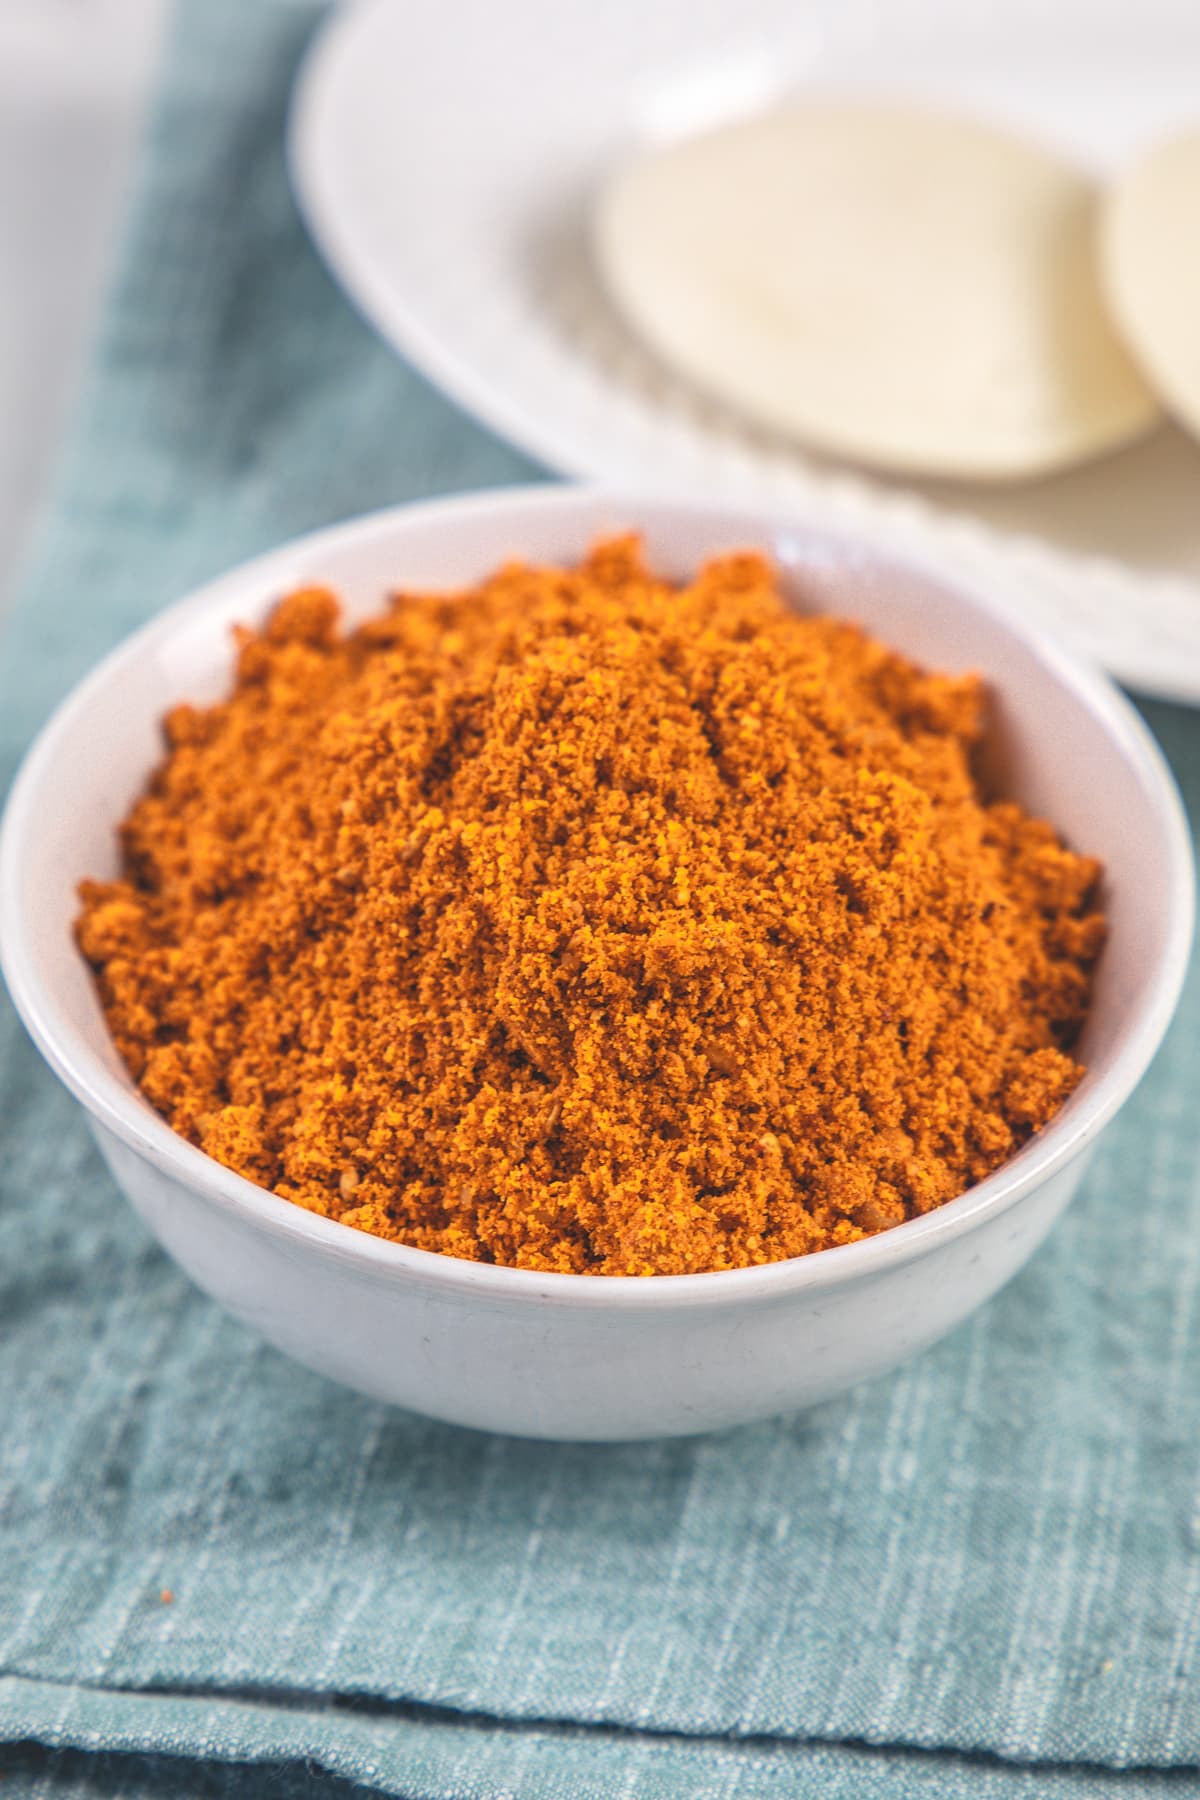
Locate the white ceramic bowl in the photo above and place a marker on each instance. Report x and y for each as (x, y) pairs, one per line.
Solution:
(565, 1356)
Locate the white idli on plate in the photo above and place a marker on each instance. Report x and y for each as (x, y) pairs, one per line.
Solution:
(1151, 264)
(892, 284)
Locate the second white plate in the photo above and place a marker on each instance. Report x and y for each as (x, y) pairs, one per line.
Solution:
(444, 159)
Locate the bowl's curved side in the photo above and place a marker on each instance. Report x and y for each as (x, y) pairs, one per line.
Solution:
(554, 1370)
(1073, 741)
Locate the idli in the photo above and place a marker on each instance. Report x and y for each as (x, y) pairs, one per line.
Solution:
(893, 284)
(1151, 264)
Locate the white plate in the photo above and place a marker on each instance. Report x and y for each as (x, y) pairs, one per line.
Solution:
(444, 158)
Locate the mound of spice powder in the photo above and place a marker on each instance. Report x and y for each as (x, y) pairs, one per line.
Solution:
(587, 922)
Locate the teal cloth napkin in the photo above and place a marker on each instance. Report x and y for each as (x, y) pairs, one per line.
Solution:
(980, 1577)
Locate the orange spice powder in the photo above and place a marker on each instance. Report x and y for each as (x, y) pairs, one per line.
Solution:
(588, 922)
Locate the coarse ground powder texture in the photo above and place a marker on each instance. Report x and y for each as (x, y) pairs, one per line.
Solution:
(588, 922)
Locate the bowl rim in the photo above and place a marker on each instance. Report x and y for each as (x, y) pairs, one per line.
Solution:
(114, 1103)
